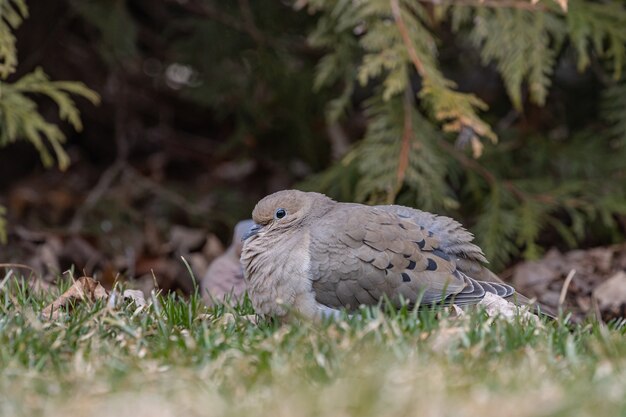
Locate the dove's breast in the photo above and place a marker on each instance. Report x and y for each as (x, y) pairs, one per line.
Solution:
(278, 275)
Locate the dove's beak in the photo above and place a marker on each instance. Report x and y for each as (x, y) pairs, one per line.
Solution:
(253, 230)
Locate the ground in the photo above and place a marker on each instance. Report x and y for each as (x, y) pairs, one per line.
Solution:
(176, 357)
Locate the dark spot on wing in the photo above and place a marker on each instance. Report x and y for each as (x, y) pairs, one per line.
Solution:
(405, 277)
(411, 265)
(432, 265)
(441, 254)
(402, 226)
(389, 266)
(421, 243)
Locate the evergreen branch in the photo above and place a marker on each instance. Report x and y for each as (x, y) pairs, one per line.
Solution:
(496, 228)
(12, 14)
(389, 148)
(528, 55)
(511, 202)
(614, 111)
(598, 25)
(20, 119)
(455, 109)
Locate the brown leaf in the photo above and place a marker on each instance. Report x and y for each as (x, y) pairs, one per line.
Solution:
(84, 288)
(533, 274)
(213, 247)
(184, 240)
(612, 292)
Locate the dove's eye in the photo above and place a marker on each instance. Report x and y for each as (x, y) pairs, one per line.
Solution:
(280, 213)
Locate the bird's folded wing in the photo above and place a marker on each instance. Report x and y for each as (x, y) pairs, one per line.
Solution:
(457, 243)
(360, 254)
(453, 238)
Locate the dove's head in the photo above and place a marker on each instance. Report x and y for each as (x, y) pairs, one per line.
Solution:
(287, 209)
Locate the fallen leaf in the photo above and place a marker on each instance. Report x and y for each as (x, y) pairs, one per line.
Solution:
(544, 279)
(533, 274)
(213, 247)
(611, 293)
(497, 306)
(136, 296)
(83, 289)
(184, 240)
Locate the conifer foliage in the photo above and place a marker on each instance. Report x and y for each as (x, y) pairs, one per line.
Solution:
(526, 186)
(19, 118)
(508, 115)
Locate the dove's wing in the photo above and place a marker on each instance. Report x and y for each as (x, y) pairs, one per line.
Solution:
(453, 238)
(360, 254)
(457, 243)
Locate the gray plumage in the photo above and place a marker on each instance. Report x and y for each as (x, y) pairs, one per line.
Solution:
(314, 256)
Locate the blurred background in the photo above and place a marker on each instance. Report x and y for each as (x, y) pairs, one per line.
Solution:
(134, 132)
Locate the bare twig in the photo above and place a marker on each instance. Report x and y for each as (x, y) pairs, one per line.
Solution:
(595, 307)
(157, 189)
(208, 10)
(469, 163)
(248, 26)
(406, 39)
(407, 133)
(490, 178)
(6, 279)
(19, 266)
(505, 4)
(565, 287)
(248, 20)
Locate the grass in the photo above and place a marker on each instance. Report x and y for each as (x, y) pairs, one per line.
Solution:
(178, 358)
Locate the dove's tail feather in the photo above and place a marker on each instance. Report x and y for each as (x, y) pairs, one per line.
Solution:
(485, 275)
(471, 294)
(503, 290)
(475, 291)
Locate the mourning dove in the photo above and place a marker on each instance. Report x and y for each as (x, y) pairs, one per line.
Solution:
(225, 276)
(311, 255)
